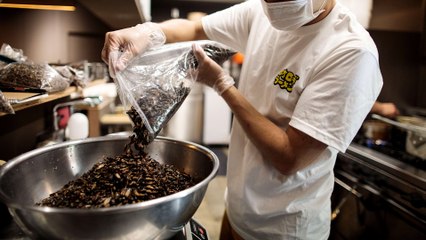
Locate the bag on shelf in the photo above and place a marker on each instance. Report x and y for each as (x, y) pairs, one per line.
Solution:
(16, 70)
(31, 75)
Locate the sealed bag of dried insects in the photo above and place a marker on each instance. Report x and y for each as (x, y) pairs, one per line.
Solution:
(32, 75)
(154, 84)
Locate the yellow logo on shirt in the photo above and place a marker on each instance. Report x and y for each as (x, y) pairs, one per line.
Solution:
(286, 80)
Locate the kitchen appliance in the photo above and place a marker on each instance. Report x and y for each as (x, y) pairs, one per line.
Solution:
(415, 126)
(380, 191)
(32, 176)
(62, 113)
(376, 131)
(193, 230)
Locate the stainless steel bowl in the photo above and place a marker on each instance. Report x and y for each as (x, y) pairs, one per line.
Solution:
(32, 176)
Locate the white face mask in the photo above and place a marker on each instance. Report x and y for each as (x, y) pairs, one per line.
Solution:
(290, 15)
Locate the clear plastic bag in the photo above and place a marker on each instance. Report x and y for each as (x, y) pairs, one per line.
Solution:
(13, 53)
(5, 106)
(16, 70)
(74, 75)
(30, 75)
(155, 84)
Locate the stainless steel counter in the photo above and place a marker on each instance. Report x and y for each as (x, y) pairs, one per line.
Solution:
(400, 169)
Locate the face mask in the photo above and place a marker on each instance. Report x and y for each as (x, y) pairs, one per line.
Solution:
(290, 15)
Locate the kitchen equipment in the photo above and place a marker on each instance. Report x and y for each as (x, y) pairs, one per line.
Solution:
(416, 132)
(94, 70)
(91, 101)
(376, 130)
(61, 117)
(380, 189)
(415, 124)
(377, 196)
(78, 127)
(193, 230)
(32, 176)
(5, 218)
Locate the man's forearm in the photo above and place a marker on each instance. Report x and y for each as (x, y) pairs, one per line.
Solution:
(179, 30)
(288, 151)
(270, 140)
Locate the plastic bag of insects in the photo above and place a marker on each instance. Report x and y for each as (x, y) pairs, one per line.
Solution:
(154, 84)
(74, 75)
(31, 75)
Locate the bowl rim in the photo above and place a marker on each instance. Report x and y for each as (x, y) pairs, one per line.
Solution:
(124, 208)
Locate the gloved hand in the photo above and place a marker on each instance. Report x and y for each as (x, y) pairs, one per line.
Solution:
(123, 45)
(210, 73)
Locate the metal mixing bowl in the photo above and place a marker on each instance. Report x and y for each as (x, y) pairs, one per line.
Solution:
(32, 176)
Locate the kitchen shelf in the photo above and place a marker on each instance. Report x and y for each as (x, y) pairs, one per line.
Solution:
(72, 92)
(50, 97)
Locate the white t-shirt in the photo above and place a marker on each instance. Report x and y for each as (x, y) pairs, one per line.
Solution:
(322, 80)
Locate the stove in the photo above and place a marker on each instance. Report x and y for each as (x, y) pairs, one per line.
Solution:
(395, 148)
(191, 231)
(380, 192)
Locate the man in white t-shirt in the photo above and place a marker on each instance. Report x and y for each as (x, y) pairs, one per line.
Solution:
(310, 76)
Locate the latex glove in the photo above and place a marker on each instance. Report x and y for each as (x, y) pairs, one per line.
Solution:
(210, 73)
(123, 45)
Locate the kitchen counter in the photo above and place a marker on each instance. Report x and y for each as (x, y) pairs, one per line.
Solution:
(49, 97)
(71, 92)
(403, 170)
